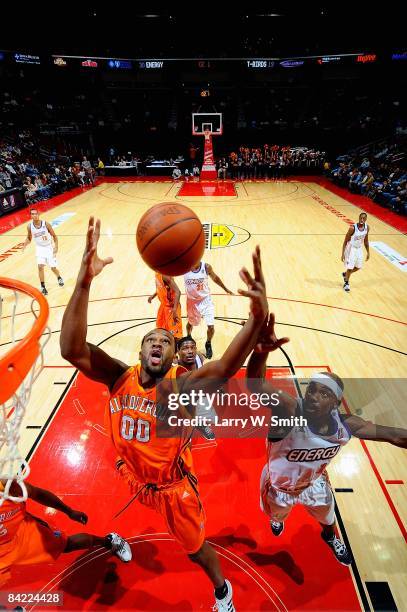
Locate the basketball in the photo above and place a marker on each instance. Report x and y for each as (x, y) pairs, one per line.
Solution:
(170, 238)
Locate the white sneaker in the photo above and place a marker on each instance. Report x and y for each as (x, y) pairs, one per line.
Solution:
(225, 604)
(120, 547)
(339, 549)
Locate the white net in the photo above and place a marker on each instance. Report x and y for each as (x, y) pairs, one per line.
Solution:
(16, 320)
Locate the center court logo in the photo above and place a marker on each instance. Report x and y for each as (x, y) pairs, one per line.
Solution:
(219, 236)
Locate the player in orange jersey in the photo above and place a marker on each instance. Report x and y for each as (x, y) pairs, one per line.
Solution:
(26, 539)
(169, 312)
(159, 469)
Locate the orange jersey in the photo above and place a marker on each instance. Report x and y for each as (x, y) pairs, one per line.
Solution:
(12, 514)
(164, 293)
(25, 539)
(165, 318)
(131, 419)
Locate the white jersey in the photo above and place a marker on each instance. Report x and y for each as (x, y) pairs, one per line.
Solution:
(297, 460)
(198, 361)
(41, 235)
(196, 284)
(358, 236)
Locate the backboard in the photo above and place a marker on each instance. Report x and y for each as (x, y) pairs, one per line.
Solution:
(203, 122)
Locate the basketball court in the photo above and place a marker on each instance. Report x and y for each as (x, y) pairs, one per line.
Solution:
(300, 226)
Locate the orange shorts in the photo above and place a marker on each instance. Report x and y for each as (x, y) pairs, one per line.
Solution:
(180, 506)
(34, 542)
(166, 321)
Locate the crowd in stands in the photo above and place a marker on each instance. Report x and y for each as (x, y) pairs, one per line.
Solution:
(380, 175)
(261, 162)
(24, 165)
(269, 161)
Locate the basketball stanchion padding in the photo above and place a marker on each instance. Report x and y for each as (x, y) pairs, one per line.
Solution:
(20, 366)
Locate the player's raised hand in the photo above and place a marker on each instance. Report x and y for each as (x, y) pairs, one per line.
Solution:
(267, 340)
(256, 288)
(92, 264)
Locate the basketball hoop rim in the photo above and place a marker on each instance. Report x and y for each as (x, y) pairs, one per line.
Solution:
(29, 345)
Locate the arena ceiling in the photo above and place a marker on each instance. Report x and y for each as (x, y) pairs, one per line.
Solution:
(195, 29)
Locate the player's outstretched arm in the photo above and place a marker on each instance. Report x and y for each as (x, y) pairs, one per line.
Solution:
(267, 342)
(242, 345)
(216, 279)
(49, 499)
(88, 358)
(367, 430)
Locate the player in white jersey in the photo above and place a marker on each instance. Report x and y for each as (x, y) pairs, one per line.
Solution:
(352, 248)
(191, 359)
(199, 301)
(46, 247)
(297, 456)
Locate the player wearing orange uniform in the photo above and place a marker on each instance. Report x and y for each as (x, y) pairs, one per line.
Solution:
(159, 468)
(26, 539)
(169, 312)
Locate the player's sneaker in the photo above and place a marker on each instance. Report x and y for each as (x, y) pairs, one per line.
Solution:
(346, 286)
(44, 291)
(208, 348)
(226, 603)
(207, 432)
(119, 547)
(60, 282)
(276, 527)
(339, 549)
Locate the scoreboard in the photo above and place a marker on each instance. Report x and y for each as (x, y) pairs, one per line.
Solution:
(199, 64)
(205, 71)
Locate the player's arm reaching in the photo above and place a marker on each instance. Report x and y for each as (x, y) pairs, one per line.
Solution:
(216, 279)
(29, 237)
(366, 430)
(266, 343)
(348, 236)
(54, 236)
(366, 243)
(49, 499)
(88, 358)
(170, 282)
(212, 372)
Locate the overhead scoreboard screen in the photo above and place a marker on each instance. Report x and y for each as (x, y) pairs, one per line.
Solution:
(198, 65)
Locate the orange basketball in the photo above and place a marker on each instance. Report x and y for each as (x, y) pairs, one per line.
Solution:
(170, 238)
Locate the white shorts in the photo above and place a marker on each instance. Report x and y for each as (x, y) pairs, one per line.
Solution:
(317, 499)
(45, 256)
(353, 258)
(201, 310)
